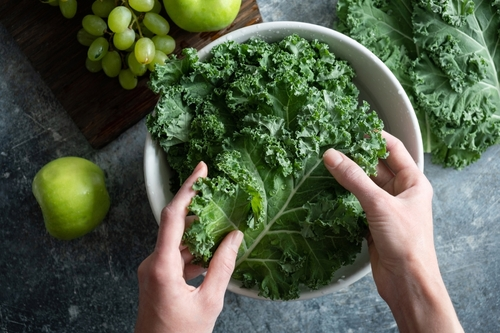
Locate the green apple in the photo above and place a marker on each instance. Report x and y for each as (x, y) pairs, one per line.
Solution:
(202, 15)
(72, 194)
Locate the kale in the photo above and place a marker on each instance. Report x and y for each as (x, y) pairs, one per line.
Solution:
(444, 55)
(261, 115)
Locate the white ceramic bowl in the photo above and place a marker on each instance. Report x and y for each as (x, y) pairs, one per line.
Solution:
(377, 85)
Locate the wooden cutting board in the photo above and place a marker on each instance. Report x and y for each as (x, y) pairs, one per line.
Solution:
(98, 105)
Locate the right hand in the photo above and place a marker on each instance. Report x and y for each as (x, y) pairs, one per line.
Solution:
(398, 207)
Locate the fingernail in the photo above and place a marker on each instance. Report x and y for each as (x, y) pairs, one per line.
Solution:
(235, 241)
(332, 158)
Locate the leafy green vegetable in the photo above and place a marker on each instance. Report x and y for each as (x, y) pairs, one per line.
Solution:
(261, 116)
(444, 54)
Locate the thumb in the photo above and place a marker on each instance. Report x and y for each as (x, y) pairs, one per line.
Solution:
(222, 264)
(352, 177)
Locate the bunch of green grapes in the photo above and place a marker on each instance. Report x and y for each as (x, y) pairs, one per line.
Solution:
(67, 7)
(125, 39)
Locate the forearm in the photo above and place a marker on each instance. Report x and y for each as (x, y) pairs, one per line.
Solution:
(420, 303)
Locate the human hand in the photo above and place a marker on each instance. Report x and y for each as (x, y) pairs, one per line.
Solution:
(398, 207)
(166, 302)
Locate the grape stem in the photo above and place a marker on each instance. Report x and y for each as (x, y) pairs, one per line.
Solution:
(134, 18)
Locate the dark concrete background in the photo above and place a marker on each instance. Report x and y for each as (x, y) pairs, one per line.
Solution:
(90, 284)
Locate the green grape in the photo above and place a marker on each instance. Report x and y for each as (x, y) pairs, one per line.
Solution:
(144, 50)
(98, 49)
(94, 25)
(142, 5)
(93, 66)
(157, 7)
(102, 8)
(119, 19)
(156, 23)
(112, 63)
(84, 38)
(159, 59)
(137, 68)
(165, 43)
(124, 40)
(127, 79)
(68, 8)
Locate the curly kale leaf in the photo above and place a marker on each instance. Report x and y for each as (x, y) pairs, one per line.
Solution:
(444, 54)
(261, 116)
(457, 79)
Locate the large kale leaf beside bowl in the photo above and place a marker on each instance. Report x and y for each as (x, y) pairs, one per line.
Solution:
(261, 116)
(445, 54)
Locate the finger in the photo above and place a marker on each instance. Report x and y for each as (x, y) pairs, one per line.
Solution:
(189, 220)
(191, 271)
(173, 215)
(187, 223)
(384, 174)
(186, 255)
(222, 265)
(352, 177)
(399, 158)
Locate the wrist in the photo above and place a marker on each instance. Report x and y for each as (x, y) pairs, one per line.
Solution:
(420, 302)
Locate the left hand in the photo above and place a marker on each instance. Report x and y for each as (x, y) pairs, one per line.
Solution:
(166, 302)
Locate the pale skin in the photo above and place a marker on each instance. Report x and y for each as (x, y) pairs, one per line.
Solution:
(398, 206)
(166, 302)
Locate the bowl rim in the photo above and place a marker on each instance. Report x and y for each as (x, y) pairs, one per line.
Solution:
(153, 152)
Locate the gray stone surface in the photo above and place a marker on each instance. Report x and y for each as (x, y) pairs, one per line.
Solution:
(90, 284)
